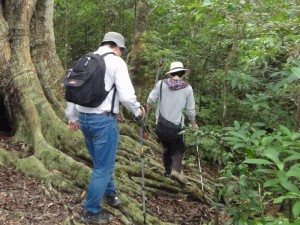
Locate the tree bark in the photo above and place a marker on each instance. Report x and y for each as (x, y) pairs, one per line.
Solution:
(136, 60)
(30, 86)
(297, 126)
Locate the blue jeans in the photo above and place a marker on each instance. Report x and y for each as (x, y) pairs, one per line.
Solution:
(101, 138)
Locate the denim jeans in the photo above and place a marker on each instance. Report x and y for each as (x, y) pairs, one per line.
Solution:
(101, 138)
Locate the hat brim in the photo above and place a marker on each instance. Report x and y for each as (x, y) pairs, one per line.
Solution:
(187, 71)
(118, 44)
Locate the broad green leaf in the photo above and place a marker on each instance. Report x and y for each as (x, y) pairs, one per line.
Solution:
(198, 16)
(295, 136)
(287, 143)
(233, 139)
(258, 161)
(255, 107)
(237, 124)
(257, 134)
(234, 83)
(229, 174)
(272, 154)
(280, 165)
(267, 171)
(290, 187)
(293, 172)
(258, 124)
(281, 174)
(291, 158)
(280, 199)
(284, 81)
(260, 148)
(296, 209)
(256, 142)
(236, 134)
(271, 183)
(278, 148)
(250, 153)
(293, 153)
(265, 105)
(287, 196)
(239, 145)
(296, 72)
(286, 131)
(265, 141)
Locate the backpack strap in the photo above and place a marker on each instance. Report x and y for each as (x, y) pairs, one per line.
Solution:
(92, 54)
(160, 95)
(113, 99)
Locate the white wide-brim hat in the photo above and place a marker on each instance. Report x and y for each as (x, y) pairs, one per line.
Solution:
(176, 67)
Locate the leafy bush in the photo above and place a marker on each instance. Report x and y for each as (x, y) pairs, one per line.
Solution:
(265, 166)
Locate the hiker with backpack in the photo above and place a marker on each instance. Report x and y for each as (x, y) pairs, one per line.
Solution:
(173, 95)
(99, 123)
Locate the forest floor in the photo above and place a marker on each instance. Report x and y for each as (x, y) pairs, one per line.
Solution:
(24, 200)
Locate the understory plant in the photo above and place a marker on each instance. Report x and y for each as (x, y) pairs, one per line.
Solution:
(264, 171)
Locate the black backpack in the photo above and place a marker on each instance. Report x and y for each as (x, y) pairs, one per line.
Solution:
(84, 81)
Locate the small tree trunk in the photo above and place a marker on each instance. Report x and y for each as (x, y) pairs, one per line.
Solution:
(297, 125)
(136, 60)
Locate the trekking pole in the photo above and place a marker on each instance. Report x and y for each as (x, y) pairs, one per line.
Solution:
(161, 63)
(141, 123)
(199, 165)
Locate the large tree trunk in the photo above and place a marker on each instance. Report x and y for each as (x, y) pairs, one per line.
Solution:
(30, 74)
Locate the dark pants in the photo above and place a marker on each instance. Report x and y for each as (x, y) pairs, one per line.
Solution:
(173, 152)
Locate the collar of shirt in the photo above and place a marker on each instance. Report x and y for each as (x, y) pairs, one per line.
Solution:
(102, 50)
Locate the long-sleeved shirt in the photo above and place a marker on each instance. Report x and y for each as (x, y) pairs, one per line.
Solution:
(173, 102)
(116, 73)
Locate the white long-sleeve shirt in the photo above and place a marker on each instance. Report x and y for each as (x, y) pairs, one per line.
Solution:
(116, 73)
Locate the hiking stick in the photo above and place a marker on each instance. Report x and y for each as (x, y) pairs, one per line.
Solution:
(199, 165)
(161, 63)
(142, 168)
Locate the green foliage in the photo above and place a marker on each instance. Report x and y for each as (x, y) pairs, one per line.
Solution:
(208, 139)
(266, 33)
(241, 80)
(81, 25)
(273, 166)
(288, 80)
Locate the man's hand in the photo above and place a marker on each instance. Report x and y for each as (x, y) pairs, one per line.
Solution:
(74, 126)
(149, 108)
(194, 125)
(142, 113)
(140, 117)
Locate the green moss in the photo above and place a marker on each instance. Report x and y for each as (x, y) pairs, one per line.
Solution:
(31, 166)
(8, 158)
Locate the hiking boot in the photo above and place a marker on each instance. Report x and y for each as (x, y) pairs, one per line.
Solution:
(113, 199)
(98, 218)
(178, 176)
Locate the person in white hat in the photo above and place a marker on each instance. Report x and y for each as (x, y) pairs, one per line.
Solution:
(176, 96)
(100, 130)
